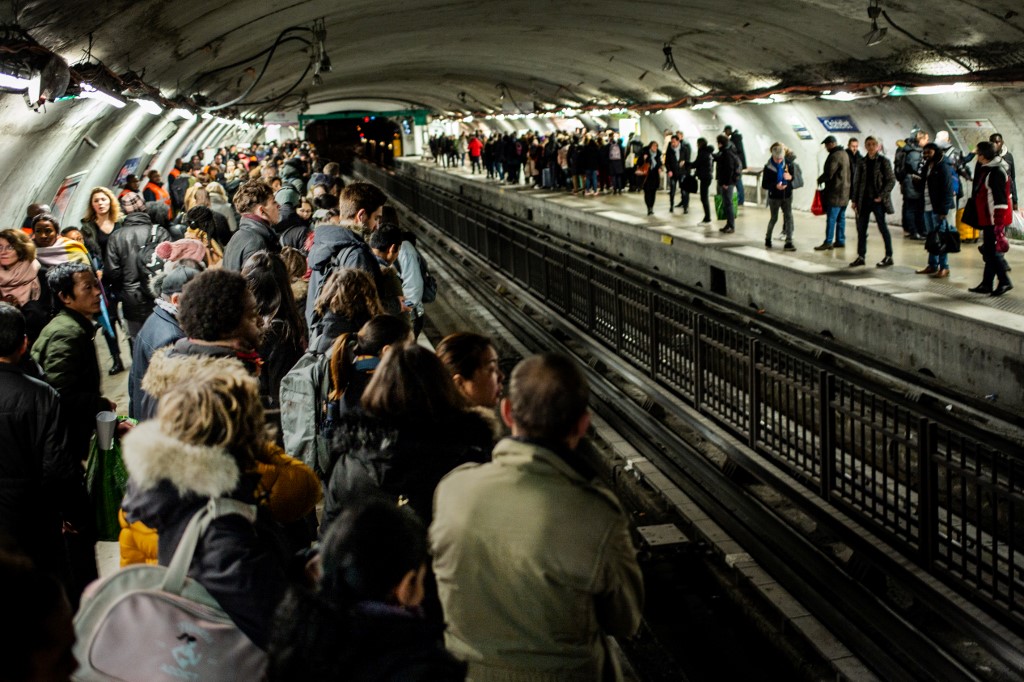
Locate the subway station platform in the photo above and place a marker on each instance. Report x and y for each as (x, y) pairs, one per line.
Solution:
(971, 343)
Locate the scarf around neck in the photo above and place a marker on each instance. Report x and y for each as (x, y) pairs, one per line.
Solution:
(21, 281)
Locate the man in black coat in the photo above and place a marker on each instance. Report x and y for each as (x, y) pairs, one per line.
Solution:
(727, 174)
(736, 140)
(124, 267)
(261, 213)
(35, 467)
(674, 165)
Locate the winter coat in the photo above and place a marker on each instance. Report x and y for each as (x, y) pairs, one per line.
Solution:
(913, 155)
(836, 178)
(703, 163)
(67, 355)
(674, 162)
(241, 564)
(122, 273)
(287, 488)
(382, 643)
(534, 565)
(882, 179)
(589, 157)
(615, 166)
(769, 179)
(252, 236)
(402, 460)
(991, 201)
(736, 140)
(728, 166)
(338, 246)
(160, 330)
(937, 183)
(35, 466)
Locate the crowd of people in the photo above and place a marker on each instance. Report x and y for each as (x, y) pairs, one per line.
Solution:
(940, 191)
(393, 512)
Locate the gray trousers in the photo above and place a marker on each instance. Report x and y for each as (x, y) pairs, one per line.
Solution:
(787, 217)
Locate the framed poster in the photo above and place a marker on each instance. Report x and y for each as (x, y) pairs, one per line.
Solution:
(64, 193)
(969, 132)
(129, 167)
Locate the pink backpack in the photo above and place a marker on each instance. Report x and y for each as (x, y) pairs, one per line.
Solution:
(153, 623)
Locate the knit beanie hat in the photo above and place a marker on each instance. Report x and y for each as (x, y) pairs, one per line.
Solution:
(183, 248)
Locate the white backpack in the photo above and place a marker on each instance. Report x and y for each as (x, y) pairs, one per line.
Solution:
(153, 623)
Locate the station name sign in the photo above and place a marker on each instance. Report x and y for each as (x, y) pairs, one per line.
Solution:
(839, 124)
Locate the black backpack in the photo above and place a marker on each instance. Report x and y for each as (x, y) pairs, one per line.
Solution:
(429, 283)
(149, 264)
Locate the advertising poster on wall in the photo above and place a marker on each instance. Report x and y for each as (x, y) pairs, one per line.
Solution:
(64, 193)
(129, 167)
(969, 132)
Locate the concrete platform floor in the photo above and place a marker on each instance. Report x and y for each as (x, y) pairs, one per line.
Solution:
(909, 255)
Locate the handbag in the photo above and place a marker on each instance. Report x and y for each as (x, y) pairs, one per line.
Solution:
(950, 240)
(689, 183)
(720, 206)
(154, 623)
(817, 207)
(643, 169)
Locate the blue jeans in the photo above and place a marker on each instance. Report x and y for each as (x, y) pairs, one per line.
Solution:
(835, 224)
(913, 215)
(936, 222)
(739, 191)
(591, 180)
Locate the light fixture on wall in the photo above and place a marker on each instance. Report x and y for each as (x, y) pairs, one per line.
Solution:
(875, 35)
(149, 106)
(89, 91)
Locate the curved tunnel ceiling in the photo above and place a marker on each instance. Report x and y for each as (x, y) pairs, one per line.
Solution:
(463, 56)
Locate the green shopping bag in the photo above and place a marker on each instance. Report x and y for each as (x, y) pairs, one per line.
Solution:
(106, 480)
(720, 207)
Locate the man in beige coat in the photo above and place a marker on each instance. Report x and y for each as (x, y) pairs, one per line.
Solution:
(533, 557)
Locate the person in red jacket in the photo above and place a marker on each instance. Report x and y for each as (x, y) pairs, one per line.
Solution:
(476, 149)
(991, 210)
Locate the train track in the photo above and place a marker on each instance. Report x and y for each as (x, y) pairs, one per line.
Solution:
(885, 639)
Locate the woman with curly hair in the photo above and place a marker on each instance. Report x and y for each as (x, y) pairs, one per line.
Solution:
(348, 300)
(208, 441)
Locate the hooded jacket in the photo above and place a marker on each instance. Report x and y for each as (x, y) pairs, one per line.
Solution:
(991, 202)
(239, 563)
(252, 236)
(336, 247)
(122, 272)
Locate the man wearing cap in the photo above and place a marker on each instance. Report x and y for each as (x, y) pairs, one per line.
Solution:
(130, 199)
(835, 194)
(160, 330)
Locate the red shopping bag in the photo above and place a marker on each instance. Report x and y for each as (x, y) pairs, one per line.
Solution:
(816, 207)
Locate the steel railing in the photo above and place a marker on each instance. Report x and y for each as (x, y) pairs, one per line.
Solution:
(938, 488)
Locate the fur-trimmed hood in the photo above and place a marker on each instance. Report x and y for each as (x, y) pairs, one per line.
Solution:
(170, 366)
(152, 456)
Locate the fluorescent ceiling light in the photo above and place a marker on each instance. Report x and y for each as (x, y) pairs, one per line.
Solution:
(939, 89)
(14, 82)
(207, 115)
(184, 114)
(149, 106)
(706, 105)
(762, 100)
(90, 92)
(839, 96)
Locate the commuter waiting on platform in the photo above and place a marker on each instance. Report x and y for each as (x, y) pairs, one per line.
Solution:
(649, 171)
(777, 178)
(703, 167)
(362, 620)
(936, 188)
(835, 181)
(872, 196)
(576, 580)
(990, 210)
(728, 174)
